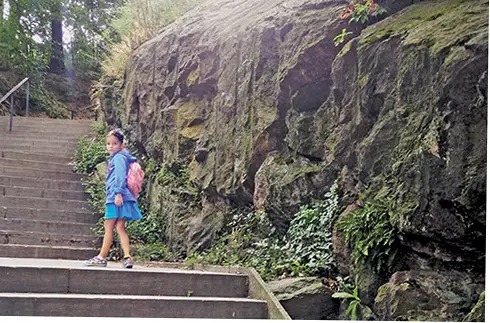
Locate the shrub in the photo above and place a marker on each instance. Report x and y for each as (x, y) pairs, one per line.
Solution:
(372, 236)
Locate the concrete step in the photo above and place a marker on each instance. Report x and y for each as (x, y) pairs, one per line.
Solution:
(47, 215)
(34, 156)
(47, 145)
(50, 252)
(44, 133)
(44, 148)
(33, 238)
(75, 305)
(41, 183)
(34, 164)
(42, 203)
(43, 193)
(33, 123)
(55, 154)
(26, 224)
(41, 138)
(44, 130)
(22, 129)
(39, 173)
(69, 276)
(37, 120)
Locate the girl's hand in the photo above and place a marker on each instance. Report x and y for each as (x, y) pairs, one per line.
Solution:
(118, 200)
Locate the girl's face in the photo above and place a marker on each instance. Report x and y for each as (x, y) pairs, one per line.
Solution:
(113, 145)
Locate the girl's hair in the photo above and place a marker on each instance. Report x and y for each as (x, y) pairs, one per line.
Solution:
(116, 133)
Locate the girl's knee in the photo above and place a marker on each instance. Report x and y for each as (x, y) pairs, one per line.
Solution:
(121, 225)
(109, 223)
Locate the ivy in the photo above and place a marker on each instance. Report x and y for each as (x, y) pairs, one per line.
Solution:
(249, 239)
(372, 236)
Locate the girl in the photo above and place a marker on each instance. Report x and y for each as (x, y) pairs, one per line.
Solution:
(120, 203)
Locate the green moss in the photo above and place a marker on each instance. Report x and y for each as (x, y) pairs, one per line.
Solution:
(296, 173)
(363, 79)
(193, 78)
(347, 47)
(477, 314)
(332, 142)
(382, 293)
(192, 132)
(431, 22)
(377, 36)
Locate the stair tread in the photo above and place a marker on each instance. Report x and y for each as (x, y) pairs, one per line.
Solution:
(44, 179)
(47, 247)
(46, 210)
(111, 265)
(40, 169)
(44, 199)
(45, 233)
(142, 297)
(47, 221)
(35, 161)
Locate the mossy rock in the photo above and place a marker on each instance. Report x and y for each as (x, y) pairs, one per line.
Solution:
(477, 314)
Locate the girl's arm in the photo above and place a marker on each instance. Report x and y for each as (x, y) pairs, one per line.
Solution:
(119, 174)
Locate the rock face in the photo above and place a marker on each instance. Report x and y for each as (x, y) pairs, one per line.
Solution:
(477, 314)
(427, 296)
(255, 100)
(305, 298)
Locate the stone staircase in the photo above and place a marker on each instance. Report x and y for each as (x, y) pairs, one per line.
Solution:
(45, 237)
(44, 211)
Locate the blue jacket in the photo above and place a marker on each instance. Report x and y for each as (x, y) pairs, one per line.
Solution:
(117, 170)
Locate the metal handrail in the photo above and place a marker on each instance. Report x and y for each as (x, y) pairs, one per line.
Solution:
(15, 88)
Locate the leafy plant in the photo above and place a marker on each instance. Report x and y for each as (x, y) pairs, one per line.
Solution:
(309, 237)
(157, 251)
(339, 39)
(149, 230)
(90, 150)
(136, 22)
(358, 11)
(250, 239)
(372, 237)
(355, 301)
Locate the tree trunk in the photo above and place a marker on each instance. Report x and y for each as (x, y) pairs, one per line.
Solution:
(56, 60)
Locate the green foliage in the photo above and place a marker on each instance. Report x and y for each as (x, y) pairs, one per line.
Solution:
(136, 22)
(91, 150)
(309, 238)
(95, 187)
(149, 230)
(339, 39)
(157, 251)
(358, 11)
(249, 239)
(372, 236)
(176, 174)
(355, 302)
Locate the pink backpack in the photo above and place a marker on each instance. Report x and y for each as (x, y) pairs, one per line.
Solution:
(135, 178)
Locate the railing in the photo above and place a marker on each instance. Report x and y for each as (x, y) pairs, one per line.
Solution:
(15, 88)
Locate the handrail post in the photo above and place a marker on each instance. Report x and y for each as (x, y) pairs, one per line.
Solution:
(27, 100)
(11, 111)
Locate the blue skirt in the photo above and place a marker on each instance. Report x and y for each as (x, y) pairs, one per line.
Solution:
(129, 211)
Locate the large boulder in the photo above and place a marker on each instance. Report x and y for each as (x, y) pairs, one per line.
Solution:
(406, 121)
(305, 298)
(428, 296)
(255, 98)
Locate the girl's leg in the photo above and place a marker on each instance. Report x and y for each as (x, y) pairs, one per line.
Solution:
(123, 236)
(108, 236)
